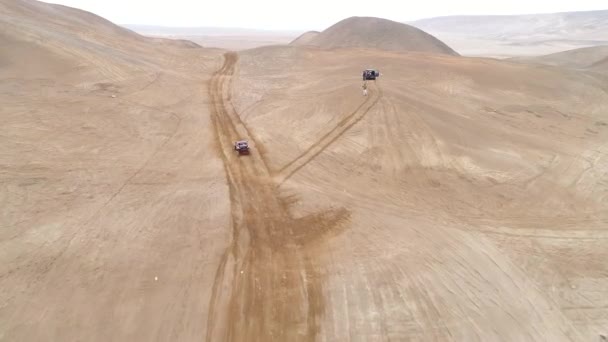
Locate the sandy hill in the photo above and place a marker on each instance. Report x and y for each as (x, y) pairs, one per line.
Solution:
(100, 124)
(601, 65)
(176, 42)
(445, 170)
(306, 38)
(382, 34)
(464, 199)
(522, 35)
(584, 58)
(52, 33)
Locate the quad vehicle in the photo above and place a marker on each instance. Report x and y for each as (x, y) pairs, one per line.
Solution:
(370, 74)
(242, 147)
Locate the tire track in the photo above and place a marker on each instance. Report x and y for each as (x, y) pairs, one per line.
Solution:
(267, 286)
(330, 137)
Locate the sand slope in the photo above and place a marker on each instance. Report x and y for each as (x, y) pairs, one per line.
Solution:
(462, 200)
(306, 38)
(585, 58)
(376, 33)
(107, 171)
(469, 184)
(80, 38)
(601, 65)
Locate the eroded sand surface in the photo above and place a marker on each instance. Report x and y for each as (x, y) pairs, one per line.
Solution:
(463, 199)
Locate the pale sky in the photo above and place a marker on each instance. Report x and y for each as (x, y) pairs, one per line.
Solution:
(305, 15)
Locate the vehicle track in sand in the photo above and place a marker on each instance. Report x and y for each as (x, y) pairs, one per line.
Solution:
(267, 287)
(346, 123)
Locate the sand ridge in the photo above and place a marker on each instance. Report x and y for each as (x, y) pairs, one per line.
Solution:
(589, 58)
(305, 38)
(376, 33)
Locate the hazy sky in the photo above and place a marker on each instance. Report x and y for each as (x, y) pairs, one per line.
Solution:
(306, 14)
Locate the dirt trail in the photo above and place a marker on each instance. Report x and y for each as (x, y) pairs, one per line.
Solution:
(266, 287)
(334, 134)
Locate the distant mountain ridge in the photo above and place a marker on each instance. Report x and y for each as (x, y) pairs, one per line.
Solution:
(588, 25)
(519, 35)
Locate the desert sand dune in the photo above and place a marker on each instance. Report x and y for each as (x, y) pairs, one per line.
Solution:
(448, 155)
(305, 38)
(601, 65)
(464, 199)
(107, 172)
(591, 58)
(376, 33)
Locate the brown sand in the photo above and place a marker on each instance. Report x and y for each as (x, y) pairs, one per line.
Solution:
(462, 200)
